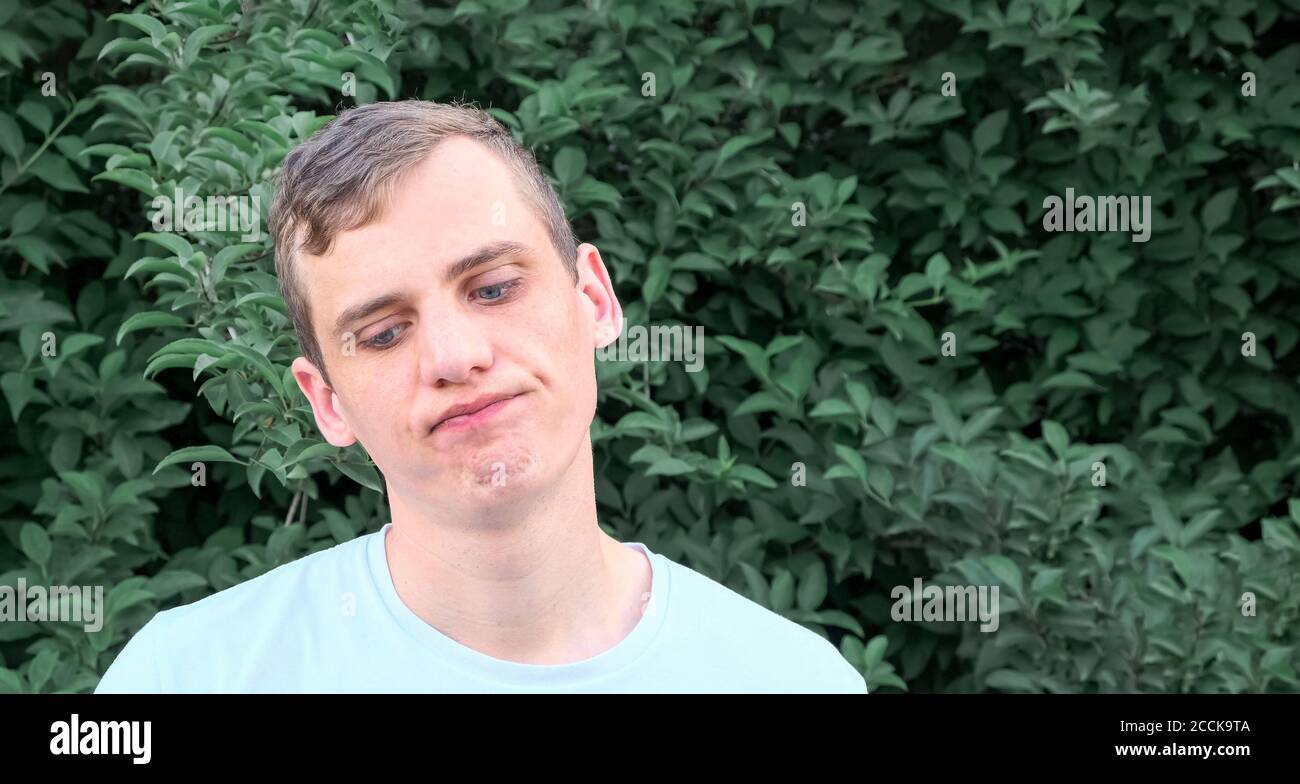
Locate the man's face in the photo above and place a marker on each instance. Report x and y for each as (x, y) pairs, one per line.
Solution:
(455, 297)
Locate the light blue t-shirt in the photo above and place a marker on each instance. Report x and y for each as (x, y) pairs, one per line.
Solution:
(332, 622)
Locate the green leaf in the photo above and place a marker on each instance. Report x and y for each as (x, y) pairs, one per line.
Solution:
(752, 475)
(137, 49)
(148, 320)
(28, 217)
(35, 543)
(126, 595)
(874, 652)
(42, 667)
(1218, 209)
(1164, 518)
(642, 420)
(1056, 437)
(75, 344)
(754, 355)
(19, 390)
(737, 144)
(198, 454)
(1006, 571)
(11, 137)
(570, 164)
(656, 281)
(812, 586)
(1010, 680)
(989, 131)
(171, 582)
(958, 455)
(364, 475)
(37, 113)
(89, 488)
(936, 270)
(942, 414)
(669, 466)
(142, 22)
(782, 593)
(833, 407)
(853, 459)
(260, 363)
(176, 244)
(1072, 379)
(200, 38)
(132, 178)
(758, 589)
(1232, 31)
(55, 172)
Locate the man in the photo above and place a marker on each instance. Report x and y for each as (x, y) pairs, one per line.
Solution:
(449, 322)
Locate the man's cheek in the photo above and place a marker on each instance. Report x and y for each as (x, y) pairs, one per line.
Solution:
(374, 409)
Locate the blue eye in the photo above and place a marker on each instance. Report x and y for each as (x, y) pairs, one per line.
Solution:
(375, 342)
(496, 292)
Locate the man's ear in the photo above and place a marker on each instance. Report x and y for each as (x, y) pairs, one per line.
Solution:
(324, 403)
(599, 296)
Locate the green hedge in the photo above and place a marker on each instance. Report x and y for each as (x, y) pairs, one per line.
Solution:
(836, 192)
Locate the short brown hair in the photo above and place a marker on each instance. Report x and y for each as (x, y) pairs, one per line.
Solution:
(342, 177)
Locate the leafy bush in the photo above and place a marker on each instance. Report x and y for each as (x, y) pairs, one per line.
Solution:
(906, 375)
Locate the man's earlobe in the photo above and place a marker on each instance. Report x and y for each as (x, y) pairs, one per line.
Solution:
(599, 291)
(608, 333)
(324, 403)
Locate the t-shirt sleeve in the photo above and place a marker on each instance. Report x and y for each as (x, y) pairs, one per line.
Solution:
(135, 670)
(854, 683)
(849, 680)
(839, 676)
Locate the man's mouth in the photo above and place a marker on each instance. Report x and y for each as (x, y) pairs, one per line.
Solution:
(472, 414)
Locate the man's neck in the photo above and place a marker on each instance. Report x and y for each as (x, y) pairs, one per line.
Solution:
(537, 582)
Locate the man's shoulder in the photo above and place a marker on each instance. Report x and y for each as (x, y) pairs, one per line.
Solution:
(757, 635)
(708, 600)
(294, 592)
(291, 586)
(207, 644)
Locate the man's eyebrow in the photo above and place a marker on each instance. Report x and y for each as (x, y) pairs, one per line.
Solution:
(487, 253)
(358, 312)
(479, 257)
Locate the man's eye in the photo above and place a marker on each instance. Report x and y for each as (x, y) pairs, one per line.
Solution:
(495, 292)
(379, 341)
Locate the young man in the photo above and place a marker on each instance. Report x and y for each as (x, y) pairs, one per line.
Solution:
(449, 323)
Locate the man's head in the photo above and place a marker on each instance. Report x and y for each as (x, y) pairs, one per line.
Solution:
(428, 267)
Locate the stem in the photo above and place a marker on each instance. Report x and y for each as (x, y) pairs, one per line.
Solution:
(293, 506)
(23, 167)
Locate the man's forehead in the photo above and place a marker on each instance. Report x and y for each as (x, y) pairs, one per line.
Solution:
(459, 197)
(461, 174)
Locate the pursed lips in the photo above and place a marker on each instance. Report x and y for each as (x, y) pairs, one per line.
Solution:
(470, 413)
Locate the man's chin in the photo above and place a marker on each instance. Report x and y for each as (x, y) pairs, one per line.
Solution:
(501, 473)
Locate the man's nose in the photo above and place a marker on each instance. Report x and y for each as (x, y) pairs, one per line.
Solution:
(452, 346)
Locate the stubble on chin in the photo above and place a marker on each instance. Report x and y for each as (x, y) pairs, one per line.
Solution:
(497, 471)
